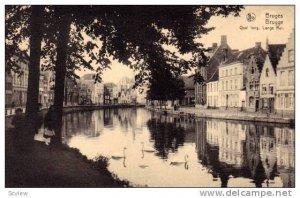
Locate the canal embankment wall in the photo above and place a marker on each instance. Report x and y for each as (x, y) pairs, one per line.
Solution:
(192, 112)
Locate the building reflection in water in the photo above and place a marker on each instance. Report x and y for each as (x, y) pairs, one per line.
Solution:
(252, 155)
(89, 123)
(232, 149)
(226, 152)
(285, 150)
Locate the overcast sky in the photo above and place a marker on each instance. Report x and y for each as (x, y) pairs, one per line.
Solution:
(237, 38)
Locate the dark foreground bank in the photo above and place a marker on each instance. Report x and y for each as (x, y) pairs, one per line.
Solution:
(45, 166)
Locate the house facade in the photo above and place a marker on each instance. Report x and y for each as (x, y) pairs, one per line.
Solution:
(20, 84)
(110, 93)
(285, 84)
(43, 90)
(8, 89)
(253, 60)
(189, 88)
(96, 89)
(231, 85)
(213, 94)
(50, 82)
(16, 86)
(71, 92)
(85, 94)
(268, 78)
(216, 55)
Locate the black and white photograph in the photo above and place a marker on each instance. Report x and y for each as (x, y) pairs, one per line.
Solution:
(149, 96)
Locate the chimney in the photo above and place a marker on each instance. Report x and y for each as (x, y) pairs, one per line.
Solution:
(257, 44)
(223, 40)
(214, 45)
(267, 44)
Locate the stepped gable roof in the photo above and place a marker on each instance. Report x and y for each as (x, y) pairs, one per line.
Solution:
(240, 56)
(275, 52)
(188, 82)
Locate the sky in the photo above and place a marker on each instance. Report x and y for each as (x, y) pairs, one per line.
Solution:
(237, 38)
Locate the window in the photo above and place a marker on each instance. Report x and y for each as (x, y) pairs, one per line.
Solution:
(251, 102)
(230, 72)
(256, 85)
(281, 100)
(226, 73)
(236, 100)
(235, 84)
(264, 89)
(230, 84)
(286, 101)
(252, 70)
(267, 72)
(265, 102)
(291, 55)
(271, 88)
(222, 85)
(226, 87)
(235, 71)
(216, 100)
(282, 78)
(291, 100)
(291, 78)
(251, 86)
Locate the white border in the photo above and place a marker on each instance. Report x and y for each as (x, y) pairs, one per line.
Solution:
(145, 192)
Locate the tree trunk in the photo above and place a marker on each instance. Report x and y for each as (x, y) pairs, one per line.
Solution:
(64, 27)
(32, 104)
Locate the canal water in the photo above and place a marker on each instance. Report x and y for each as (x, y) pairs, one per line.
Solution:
(155, 150)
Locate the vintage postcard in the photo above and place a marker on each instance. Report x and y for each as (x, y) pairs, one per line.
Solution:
(149, 96)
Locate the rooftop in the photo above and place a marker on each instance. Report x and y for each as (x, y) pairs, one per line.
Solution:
(275, 52)
(241, 56)
(110, 84)
(214, 77)
(88, 77)
(188, 82)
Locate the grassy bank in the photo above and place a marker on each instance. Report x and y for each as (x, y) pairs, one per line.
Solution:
(46, 166)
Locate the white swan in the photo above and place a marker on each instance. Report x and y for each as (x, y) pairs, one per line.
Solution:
(146, 150)
(174, 163)
(143, 166)
(119, 157)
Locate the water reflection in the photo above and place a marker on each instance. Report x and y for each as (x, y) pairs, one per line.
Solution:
(185, 152)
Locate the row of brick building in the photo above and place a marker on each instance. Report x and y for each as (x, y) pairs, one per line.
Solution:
(254, 79)
(16, 86)
(82, 92)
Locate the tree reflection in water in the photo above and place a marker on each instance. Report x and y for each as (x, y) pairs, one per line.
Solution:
(227, 152)
(166, 135)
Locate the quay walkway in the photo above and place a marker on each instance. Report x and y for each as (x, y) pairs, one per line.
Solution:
(72, 108)
(228, 114)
